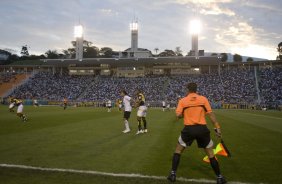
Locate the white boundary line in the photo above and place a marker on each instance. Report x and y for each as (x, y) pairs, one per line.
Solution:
(107, 174)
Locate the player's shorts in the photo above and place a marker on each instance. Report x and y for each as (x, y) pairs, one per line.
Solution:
(163, 106)
(120, 106)
(109, 107)
(126, 114)
(20, 108)
(142, 111)
(11, 105)
(199, 132)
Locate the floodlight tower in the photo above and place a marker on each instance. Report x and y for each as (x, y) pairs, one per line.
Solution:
(134, 36)
(195, 28)
(78, 34)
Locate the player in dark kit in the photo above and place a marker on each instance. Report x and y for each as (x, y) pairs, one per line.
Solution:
(193, 109)
(20, 113)
(65, 103)
(141, 113)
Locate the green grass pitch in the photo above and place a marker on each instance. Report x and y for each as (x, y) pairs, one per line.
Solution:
(92, 139)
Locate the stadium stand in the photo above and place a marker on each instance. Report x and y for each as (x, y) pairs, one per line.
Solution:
(9, 80)
(271, 86)
(232, 86)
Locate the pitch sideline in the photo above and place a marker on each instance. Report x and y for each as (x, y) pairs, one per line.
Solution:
(107, 174)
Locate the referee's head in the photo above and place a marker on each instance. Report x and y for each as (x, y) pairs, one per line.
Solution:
(192, 87)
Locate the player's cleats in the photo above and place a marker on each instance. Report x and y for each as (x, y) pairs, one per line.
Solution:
(221, 180)
(171, 177)
(139, 132)
(126, 131)
(145, 131)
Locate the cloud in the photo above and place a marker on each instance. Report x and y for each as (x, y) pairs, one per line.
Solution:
(239, 34)
(268, 7)
(229, 25)
(208, 7)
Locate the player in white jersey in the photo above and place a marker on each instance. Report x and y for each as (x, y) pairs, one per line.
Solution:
(109, 105)
(164, 106)
(127, 110)
(35, 103)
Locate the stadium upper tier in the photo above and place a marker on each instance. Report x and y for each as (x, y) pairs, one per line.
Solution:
(229, 85)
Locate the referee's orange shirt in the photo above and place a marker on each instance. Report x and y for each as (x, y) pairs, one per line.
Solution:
(194, 107)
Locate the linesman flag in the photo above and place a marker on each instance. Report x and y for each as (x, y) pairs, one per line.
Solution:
(220, 149)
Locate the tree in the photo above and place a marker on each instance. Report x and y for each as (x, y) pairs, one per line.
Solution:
(237, 58)
(250, 59)
(69, 53)
(85, 43)
(156, 50)
(224, 57)
(167, 53)
(90, 52)
(178, 51)
(279, 49)
(52, 54)
(106, 52)
(24, 51)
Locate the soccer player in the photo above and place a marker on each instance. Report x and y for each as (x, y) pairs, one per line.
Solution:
(141, 113)
(35, 103)
(193, 109)
(168, 106)
(119, 103)
(12, 104)
(20, 113)
(109, 105)
(164, 106)
(127, 110)
(65, 102)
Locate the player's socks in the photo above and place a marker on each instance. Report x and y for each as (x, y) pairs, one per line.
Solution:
(215, 166)
(144, 122)
(126, 125)
(139, 125)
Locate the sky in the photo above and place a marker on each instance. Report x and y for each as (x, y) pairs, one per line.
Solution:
(247, 27)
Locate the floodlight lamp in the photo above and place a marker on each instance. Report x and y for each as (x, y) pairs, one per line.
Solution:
(78, 31)
(195, 26)
(134, 26)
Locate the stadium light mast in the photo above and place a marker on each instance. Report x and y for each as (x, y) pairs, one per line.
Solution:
(78, 34)
(195, 29)
(134, 35)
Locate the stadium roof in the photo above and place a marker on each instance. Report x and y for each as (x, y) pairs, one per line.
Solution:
(133, 61)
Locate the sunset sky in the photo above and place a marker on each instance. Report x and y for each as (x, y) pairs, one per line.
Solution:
(247, 27)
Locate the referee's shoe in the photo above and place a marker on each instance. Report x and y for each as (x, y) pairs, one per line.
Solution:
(171, 177)
(221, 180)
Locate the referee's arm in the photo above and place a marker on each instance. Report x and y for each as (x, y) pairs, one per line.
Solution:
(213, 119)
(179, 110)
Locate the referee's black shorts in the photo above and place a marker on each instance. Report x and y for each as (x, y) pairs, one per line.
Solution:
(126, 115)
(200, 133)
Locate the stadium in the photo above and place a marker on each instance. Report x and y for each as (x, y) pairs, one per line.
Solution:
(70, 128)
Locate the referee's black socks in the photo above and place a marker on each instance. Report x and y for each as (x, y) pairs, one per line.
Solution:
(175, 162)
(215, 166)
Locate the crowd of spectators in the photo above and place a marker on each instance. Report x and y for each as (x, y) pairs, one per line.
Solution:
(109, 88)
(231, 86)
(7, 77)
(52, 87)
(270, 84)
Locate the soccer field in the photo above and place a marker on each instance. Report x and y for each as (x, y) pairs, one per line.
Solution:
(88, 139)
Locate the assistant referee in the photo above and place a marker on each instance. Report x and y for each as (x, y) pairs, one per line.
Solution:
(193, 109)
